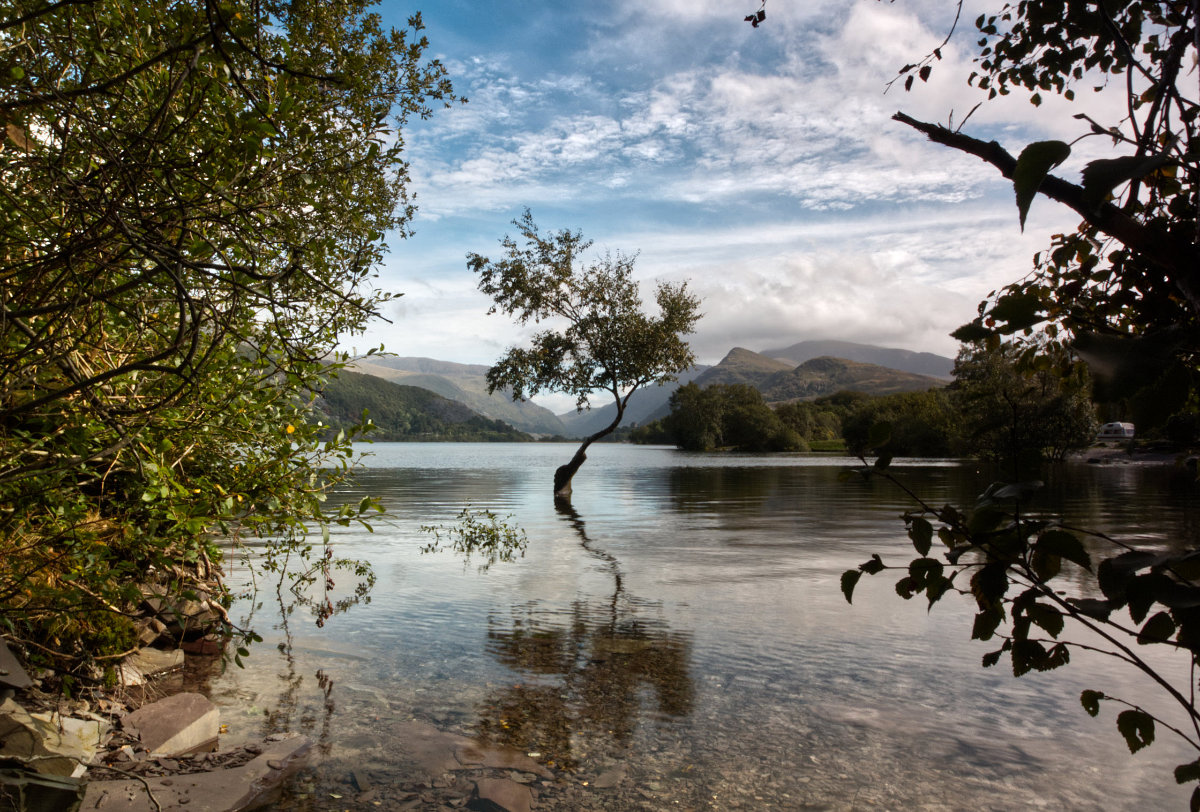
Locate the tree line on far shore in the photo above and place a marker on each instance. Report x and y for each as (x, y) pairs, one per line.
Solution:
(1006, 404)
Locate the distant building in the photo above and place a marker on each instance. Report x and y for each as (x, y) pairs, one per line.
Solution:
(1116, 431)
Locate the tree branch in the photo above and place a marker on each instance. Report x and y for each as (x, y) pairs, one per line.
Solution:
(1176, 257)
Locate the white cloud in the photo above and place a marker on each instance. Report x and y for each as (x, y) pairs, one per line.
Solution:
(761, 164)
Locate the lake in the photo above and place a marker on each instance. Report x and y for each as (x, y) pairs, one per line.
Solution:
(681, 633)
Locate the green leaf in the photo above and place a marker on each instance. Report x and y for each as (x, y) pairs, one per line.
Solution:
(1019, 310)
(1187, 772)
(986, 623)
(873, 566)
(1102, 176)
(1047, 617)
(1065, 545)
(1113, 574)
(1092, 607)
(1158, 629)
(1045, 565)
(971, 332)
(989, 584)
(849, 581)
(1033, 164)
(1137, 727)
(921, 533)
(1091, 701)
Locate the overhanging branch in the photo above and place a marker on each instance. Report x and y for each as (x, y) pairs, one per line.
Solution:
(1178, 258)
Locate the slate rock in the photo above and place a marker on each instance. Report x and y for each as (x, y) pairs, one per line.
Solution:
(48, 743)
(500, 795)
(11, 672)
(178, 725)
(148, 662)
(251, 786)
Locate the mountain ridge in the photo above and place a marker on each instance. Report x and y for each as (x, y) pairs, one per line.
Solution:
(918, 363)
(777, 373)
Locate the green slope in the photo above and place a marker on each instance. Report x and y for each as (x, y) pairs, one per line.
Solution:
(920, 363)
(409, 413)
(827, 376)
(465, 383)
(742, 366)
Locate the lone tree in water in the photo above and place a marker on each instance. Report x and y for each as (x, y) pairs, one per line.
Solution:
(606, 341)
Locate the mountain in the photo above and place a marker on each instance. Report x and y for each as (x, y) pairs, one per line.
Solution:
(826, 376)
(774, 372)
(646, 405)
(919, 363)
(465, 383)
(407, 412)
(742, 366)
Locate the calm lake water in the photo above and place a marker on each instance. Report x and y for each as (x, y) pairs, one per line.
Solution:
(685, 626)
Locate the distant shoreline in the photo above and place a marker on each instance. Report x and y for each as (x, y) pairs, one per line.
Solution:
(1117, 454)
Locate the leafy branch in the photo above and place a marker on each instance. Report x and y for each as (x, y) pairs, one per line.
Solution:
(1010, 564)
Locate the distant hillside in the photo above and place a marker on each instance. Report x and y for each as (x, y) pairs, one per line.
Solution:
(465, 383)
(742, 366)
(826, 376)
(645, 405)
(919, 363)
(407, 412)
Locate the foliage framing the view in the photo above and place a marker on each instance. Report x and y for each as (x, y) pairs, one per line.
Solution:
(608, 342)
(195, 196)
(1121, 291)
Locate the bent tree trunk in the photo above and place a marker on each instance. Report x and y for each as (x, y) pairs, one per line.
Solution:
(564, 473)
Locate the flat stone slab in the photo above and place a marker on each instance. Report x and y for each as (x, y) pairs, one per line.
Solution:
(176, 726)
(147, 662)
(494, 794)
(437, 752)
(251, 786)
(11, 672)
(47, 742)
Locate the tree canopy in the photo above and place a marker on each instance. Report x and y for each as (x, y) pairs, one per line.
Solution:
(1124, 284)
(727, 416)
(603, 341)
(1020, 408)
(194, 200)
(1121, 292)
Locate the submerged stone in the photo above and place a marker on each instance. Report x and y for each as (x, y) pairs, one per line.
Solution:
(254, 785)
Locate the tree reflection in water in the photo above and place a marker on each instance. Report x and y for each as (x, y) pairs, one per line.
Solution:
(592, 672)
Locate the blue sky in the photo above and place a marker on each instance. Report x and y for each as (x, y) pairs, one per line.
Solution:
(759, 164)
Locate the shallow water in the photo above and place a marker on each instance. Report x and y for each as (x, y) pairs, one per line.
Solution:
(685, 625)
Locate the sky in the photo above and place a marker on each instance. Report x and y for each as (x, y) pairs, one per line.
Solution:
(760, 165)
